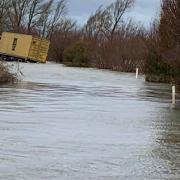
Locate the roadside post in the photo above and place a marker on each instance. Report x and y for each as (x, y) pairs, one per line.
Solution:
(173, 94)
(137, 73)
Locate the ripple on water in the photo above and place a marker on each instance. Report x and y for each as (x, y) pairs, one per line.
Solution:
(87, 124)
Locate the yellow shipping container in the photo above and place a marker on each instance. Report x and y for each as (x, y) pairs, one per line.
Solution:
(14, 46)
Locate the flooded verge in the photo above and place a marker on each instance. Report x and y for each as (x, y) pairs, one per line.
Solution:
(72, 123)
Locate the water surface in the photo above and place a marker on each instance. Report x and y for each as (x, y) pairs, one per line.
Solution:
(72, 123)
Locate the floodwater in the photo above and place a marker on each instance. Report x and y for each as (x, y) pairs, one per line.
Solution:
(64, 123)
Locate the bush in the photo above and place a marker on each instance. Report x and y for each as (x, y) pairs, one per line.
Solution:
(78, 55)
(157, 68)
(5, 75)
(155, 63)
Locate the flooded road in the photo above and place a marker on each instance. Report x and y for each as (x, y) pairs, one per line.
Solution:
(86, 124)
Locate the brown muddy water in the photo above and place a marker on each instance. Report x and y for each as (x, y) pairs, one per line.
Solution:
(87, 124)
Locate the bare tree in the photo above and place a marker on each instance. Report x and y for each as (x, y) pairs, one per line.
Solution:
(4, 5)
(116, 11)
(34, 13)
(43, 21)
(98, 24)
(17, 13)
(58, 13)
(107, 20)
(52, 13)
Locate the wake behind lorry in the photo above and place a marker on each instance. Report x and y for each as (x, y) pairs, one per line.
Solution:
(22, 47)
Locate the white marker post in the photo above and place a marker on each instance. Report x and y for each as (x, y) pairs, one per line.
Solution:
(173, 95)
(137, 72)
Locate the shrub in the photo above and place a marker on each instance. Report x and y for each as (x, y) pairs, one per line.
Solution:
(156, 64)
(5, 75)
(78, 55)
(157, 68)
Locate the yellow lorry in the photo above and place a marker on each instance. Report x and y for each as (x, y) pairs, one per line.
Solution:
(22, 47)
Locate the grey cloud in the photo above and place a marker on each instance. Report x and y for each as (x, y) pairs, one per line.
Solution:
(144, 10)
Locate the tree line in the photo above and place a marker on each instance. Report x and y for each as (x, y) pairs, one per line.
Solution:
(39, 17)
(109, 39)
(163, 58)
(113, 40)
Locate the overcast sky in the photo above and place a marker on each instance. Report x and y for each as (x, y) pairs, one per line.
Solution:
(144, 10)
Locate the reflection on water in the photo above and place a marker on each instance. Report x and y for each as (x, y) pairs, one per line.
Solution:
(71, 123)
